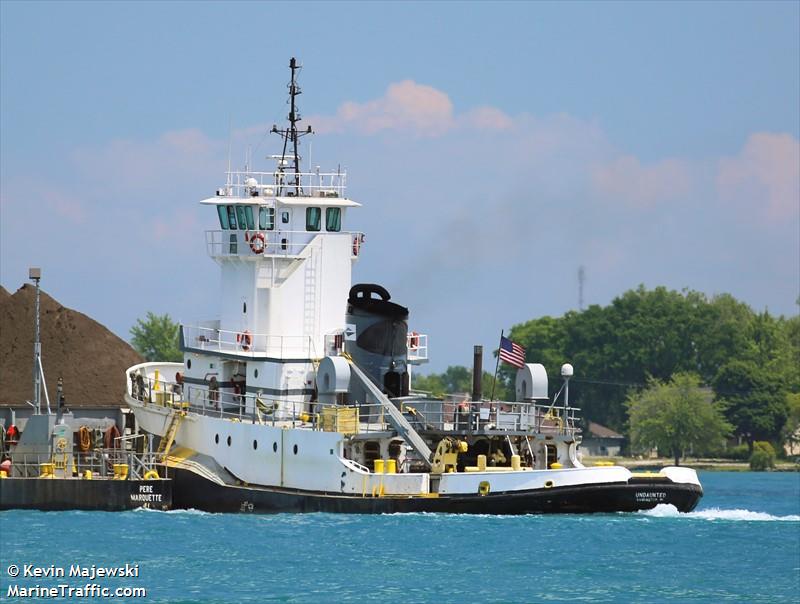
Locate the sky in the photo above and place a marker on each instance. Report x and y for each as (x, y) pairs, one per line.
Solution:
(495, 147)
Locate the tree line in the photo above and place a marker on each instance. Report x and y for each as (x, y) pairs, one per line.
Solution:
(746, 362)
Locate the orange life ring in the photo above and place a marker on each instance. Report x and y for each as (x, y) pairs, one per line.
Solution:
(245, 340)
(258, 242)
(358, 240)
(413, 340)
(12, 435)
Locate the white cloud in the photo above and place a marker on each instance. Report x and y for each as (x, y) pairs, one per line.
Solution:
(764, 178)
(626, 179)
(409, 107)
(486, 118)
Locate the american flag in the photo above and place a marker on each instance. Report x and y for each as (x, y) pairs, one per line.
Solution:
(511, 353)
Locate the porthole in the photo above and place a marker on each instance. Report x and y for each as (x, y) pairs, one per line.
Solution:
(188, 363)
(255, 373)
(275, 447)
(255, 445)
(216, 438)
(295, 449)
(229, 441)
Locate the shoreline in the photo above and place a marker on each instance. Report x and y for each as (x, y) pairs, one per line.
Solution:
(708, 464)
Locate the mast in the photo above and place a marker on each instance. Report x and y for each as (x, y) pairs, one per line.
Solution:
(35, 274)
(291, 134)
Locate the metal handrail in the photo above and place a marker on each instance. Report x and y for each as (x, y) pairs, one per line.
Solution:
(256, 408)
(417, 344)
(273, 243)
(238, 183)
(223, 340)
(99, 461)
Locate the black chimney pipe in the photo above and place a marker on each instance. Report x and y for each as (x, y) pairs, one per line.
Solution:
(477, 373)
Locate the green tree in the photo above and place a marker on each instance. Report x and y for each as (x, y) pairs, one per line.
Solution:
(156, 338)
(763, 457)
(645, 334)
(458, 379)
(676, 416)
(755, 400)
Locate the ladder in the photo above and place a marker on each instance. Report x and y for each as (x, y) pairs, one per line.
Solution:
(169, 436)
(310, 291)
(396, 418)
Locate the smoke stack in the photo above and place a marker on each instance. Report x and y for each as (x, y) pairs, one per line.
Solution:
(477, 373)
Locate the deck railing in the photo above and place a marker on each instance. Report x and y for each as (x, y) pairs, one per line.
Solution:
(417, 344)
(100, 462)
(424, 414)
(271, 184)
(261, 243)
(243, 342)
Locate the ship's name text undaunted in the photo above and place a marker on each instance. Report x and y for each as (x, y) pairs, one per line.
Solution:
(76, 570)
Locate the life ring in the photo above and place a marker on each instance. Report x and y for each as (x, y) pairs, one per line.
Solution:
(111, 436)
(85, 439)
(151, 475)
(413, 340)
(245, 340)
(258, 243)
(61, 445)
(358, 240)
(12, 435)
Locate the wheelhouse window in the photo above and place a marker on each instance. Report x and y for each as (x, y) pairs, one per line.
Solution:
(313, 219)
(223, 217)
(333, 219)
(248, 212)
(231, 217)
(242, 218)
(266, 218)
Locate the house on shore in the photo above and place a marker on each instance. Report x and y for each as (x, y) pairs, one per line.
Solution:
(600, 441)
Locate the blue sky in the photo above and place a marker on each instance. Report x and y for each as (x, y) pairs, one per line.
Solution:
(495, 146)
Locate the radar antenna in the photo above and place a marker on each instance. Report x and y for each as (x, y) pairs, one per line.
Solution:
(291, 135)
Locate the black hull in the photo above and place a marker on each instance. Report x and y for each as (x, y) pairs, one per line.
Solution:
(55, 494)
(193, 491)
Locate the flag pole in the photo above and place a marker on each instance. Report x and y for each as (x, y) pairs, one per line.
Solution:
(497, 366)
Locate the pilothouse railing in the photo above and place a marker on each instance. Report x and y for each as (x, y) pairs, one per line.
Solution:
(272, 184)
(263, 243)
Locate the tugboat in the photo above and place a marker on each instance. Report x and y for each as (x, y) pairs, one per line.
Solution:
(298, 398)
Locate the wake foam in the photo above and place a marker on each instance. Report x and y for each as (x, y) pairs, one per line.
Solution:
(189, 512)
(670, 511)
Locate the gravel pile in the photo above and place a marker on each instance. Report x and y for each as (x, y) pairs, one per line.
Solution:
(90, 358)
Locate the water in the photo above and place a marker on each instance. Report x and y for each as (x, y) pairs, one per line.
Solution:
(742, 544)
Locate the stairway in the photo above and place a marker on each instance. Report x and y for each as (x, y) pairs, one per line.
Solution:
(169, 436)
(396, 418)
